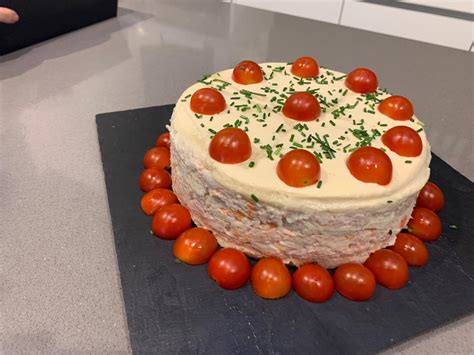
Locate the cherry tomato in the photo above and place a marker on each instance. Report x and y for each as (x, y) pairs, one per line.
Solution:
(154, 178)
(247, 72)
(170, 221)
(403, 140)
(299, 168)
(163, 140)
(157, 157)
(229, 268)
(389, 268)
(153, 200)
(425, 224)
(230, 146)
(270, 278)
(369, 164)
(397, 107)
(305, 67)
(207, 101)
(431, 197)
(195, 246)
(301, 106)
(313, 283)
(354, 281)
(411, 249)
(362, 80)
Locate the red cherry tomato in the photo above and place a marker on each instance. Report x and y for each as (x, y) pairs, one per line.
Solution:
(154, 178)
(403, 140)
(270, 278)
(362, 80)
(411, 249)
(207, 101)
(369, 164)
(302, 106)
(153, 200)
(170, 221)
(299, 168)
(397, 107)
(195, 246)
(431, 197)
(229, 268)
(247, 72)
(425, 224)
(313, 283)
(389, 268)
(157, 157)
(163, 140)
(230, 146)
(354, 282)
(305, 67)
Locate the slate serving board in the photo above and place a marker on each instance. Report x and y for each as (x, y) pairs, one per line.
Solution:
(175, 308)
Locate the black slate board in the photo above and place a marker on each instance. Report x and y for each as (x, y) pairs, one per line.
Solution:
(175, 308)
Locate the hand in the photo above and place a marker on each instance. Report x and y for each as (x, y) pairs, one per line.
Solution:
(8, 16)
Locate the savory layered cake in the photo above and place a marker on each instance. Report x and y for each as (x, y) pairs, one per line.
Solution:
(303, 163)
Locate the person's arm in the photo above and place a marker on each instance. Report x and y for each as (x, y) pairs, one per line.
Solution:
(8, 16)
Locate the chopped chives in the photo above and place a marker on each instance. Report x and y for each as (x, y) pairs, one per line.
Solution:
(255, 198)
(249, 93)
(245, 118)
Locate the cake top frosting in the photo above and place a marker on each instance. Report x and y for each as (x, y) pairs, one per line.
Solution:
(346, 122)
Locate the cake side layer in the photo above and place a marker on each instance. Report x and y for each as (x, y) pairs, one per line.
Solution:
(262, 229)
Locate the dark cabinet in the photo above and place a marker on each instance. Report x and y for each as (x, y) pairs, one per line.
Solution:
(44, 19)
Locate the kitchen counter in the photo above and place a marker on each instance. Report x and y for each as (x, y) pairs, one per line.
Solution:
(59, 282)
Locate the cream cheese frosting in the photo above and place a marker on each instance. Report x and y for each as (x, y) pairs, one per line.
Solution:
(348, 120)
